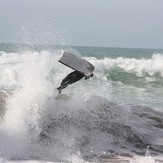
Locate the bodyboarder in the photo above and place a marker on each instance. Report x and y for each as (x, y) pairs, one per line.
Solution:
(72, 78)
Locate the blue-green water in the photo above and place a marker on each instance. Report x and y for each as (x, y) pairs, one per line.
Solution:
(117, 112)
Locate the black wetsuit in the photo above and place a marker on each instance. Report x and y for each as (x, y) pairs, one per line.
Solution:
(69, 79)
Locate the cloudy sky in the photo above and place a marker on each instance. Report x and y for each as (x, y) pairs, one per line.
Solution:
(108, 23)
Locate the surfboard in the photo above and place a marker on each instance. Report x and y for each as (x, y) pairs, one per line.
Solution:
(77, 63)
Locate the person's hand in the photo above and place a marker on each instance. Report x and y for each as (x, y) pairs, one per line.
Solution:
(87, 77)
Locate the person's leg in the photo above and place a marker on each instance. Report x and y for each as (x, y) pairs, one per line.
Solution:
(66, 81)
(59, 90)
(69, 79)
(62, 87)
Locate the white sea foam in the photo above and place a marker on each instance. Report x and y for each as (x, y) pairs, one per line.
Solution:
(150, 66)
(28, 73)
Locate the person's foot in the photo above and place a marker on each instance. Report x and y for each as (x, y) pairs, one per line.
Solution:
(59, 90)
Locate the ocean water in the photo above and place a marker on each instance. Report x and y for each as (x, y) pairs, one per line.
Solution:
(116, 116)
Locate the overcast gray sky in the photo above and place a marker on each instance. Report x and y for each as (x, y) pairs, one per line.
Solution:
(109, 23)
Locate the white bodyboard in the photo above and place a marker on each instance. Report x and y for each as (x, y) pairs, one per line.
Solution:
(77, 63)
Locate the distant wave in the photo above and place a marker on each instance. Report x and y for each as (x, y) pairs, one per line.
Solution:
(139, 66)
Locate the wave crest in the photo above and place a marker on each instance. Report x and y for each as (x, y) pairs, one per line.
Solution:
(139, 66)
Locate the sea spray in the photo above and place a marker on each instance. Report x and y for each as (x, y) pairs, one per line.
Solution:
(23, 107)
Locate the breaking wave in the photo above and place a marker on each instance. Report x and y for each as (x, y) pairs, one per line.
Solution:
(87, 124)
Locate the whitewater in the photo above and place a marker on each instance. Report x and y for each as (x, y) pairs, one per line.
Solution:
(116, 116)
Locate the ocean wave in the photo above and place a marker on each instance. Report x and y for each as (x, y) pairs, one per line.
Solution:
(90, 127)
(88, 124)
(131, 70)
(139, 66)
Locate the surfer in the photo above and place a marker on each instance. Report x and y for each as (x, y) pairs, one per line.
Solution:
(82, 69)
(72, 78)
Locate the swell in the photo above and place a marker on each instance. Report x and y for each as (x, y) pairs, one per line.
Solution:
(104, 128)
(117, 74)
(91, 127)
